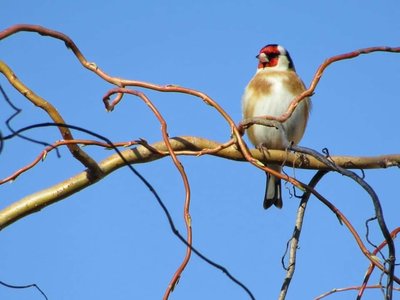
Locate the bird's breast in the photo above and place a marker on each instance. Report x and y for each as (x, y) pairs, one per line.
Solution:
(271, 94)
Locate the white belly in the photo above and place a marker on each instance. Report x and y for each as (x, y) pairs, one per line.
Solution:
(275, 104)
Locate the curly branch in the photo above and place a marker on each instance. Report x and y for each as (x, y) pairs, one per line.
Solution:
(43, 154)
(77, 152)
(317, 77)
(371, 267)
(178, 165)
(186, 146)
(351, 288)
(378, 212)
(237, 132)
(181, 146)
(294, 241)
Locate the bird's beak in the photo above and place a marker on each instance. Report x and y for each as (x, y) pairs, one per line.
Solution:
(262, 57)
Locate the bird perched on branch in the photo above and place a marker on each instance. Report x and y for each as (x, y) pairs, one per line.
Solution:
(270, 92)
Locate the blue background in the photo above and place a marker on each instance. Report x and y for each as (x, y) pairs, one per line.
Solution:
(112, 240)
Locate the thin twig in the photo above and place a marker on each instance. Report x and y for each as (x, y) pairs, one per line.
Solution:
(378, 211)
(34, 285)
(178, 165)
(351, 288)
(294, 241)
(237, 132)
(17, 111)
(43, 154)
(120, 159)
(371, 267)
(66, 134)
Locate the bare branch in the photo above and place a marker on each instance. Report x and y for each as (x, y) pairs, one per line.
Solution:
(378, 212)
(77, 152)
(235, 149)
(310, 91)
(294, 241)
(181, 146)
(351, 288)
(178, 165)
(237, 132)
(33, 285)
(371, 267)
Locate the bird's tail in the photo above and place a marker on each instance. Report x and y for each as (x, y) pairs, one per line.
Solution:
(273, 191)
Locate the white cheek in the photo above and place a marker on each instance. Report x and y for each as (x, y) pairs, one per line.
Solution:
(281, 50)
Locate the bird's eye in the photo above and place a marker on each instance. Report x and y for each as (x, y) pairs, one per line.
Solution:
(272, 55)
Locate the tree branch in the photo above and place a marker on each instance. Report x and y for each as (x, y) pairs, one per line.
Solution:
(181, 146)
(76, 152)
(294, 241)
(378, 212)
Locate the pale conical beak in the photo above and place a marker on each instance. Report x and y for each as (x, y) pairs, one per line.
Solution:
(262, 57)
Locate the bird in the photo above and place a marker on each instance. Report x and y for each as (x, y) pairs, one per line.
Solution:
(270, 92)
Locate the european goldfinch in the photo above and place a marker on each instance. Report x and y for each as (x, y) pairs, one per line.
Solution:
(270, 92)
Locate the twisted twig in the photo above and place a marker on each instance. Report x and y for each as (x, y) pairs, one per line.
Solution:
(77, 152)
(177, 164)
(294, 241)
(378, 211)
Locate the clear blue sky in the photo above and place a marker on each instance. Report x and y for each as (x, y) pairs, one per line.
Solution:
(112, 240)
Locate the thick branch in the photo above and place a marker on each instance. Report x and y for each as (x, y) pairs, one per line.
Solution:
(77, 152)
(181, 146)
